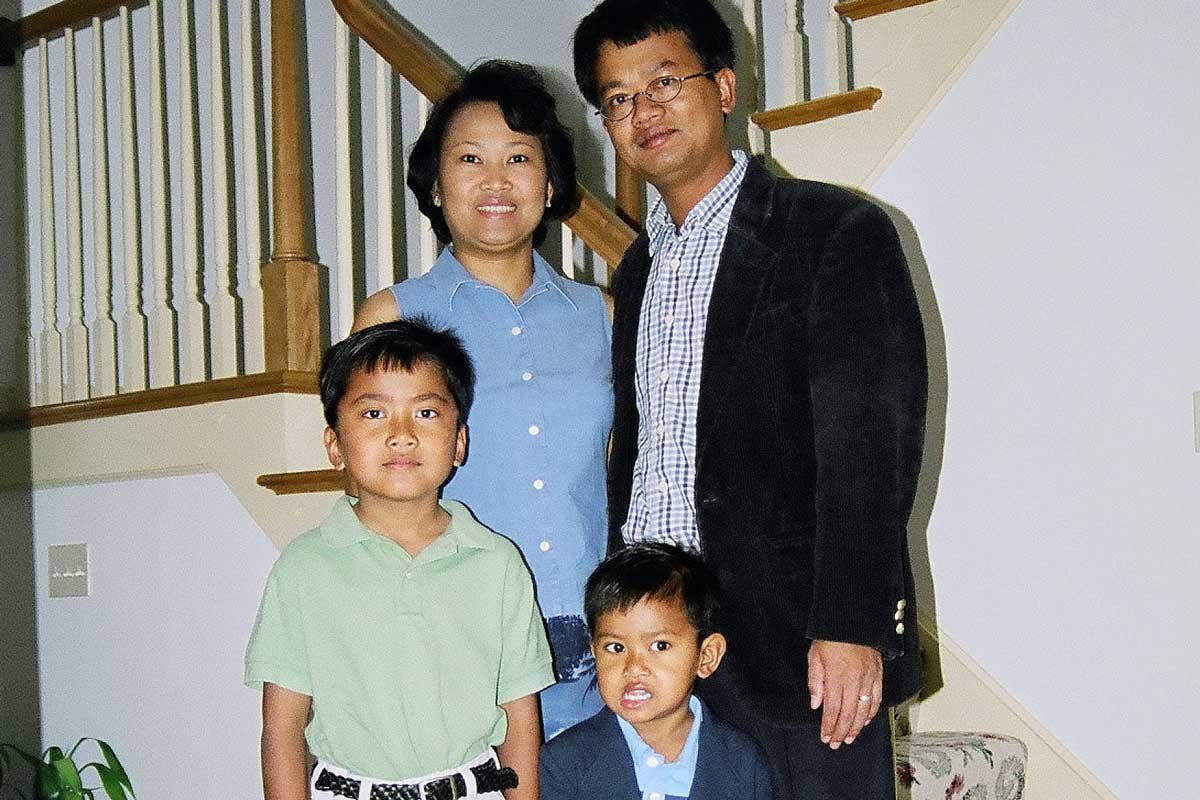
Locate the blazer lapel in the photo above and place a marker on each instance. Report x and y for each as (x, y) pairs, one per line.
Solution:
(741, 274)
(633, 275)
(611, 774)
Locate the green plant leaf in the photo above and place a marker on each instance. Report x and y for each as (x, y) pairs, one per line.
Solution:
(68, 774)
(111, 781)
(46, 783)
(114, 764)
(52, 754)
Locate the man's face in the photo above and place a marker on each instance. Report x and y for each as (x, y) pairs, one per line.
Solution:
(668, 143)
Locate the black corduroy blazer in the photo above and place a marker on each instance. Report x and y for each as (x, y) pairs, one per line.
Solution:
(808, 435)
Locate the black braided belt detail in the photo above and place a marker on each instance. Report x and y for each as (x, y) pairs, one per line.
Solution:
(489, 777)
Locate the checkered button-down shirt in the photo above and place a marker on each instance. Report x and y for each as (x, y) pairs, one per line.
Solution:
(670, 344)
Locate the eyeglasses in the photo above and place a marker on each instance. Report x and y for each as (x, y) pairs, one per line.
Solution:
(660, 90)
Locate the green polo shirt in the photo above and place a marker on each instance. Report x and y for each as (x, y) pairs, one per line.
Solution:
(407, 660)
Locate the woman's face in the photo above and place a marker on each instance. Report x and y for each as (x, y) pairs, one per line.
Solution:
(491, 182)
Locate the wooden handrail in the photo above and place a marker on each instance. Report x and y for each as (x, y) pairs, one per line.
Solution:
(191, 394)
(434, 74)
(816, 110)
(53, 20)
(861, 9)
(316, 480)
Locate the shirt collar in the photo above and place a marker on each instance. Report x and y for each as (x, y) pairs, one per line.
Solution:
(712, 212)
(674, 778)
(342, 528)
(545, 279)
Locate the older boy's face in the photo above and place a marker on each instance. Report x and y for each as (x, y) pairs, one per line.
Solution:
(647, 659)
(398, 434)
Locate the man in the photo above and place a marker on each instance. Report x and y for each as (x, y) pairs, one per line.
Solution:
(769, 370)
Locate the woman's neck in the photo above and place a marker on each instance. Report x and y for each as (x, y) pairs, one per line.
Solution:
(511, 271)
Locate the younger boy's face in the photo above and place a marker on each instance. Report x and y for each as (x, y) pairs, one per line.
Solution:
(647, 659)
(398, 434)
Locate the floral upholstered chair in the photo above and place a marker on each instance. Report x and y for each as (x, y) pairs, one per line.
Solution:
(937, 765)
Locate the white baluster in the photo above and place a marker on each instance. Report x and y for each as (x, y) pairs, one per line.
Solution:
(133, 323)
(797, 85)
(755, 92)
(252, 193)
(224, 305)
(193, 314)
(75, 337)
(49, 375)
(568, 251)
(428, 239)
(385, 215)
(104, 329)
(344, 274)
(162, 316)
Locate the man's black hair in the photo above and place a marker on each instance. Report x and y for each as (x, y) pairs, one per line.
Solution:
(657, 571)
(401, 344)
(527, 108)
(626, 22)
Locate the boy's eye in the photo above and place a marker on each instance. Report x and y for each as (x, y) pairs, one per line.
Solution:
(373, 413)
(427, 413)
(614, 647)
(660, 646)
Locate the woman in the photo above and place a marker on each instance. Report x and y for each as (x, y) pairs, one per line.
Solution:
(491, 166)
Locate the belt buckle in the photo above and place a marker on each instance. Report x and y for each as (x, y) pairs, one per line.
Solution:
(449, 780)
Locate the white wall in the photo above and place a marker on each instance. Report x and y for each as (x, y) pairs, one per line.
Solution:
(152, 660)
(1054, 193)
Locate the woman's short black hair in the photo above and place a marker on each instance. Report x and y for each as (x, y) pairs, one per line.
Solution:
(527, 108)
(400, 344)
(626, 22)
(657, 571)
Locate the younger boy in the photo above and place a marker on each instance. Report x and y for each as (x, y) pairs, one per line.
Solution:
(650, 608)
(406, 629)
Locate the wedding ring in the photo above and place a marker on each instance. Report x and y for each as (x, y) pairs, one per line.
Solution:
(864, 698)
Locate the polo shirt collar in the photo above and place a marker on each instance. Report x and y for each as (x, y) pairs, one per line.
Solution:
(342, 528)
(545, 279)
(674, 778)
(713, 212)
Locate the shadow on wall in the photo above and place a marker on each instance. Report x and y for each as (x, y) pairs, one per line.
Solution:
(20, 706)
(935, 439)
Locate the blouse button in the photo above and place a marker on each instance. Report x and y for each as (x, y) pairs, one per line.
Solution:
(534, 430)
(539, 484)
(526, 376)
(544, 547)
(516, 330)
(652, 761)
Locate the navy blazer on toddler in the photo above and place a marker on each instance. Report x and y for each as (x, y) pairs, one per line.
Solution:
(591, 761)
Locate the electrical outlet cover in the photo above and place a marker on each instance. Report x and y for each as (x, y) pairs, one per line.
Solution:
(69, 575)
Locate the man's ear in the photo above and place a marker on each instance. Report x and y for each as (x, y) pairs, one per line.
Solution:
(727, 85)
(333, 450)
(712, 650)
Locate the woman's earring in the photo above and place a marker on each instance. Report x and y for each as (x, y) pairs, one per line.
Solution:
(437, 200)
(549, 194)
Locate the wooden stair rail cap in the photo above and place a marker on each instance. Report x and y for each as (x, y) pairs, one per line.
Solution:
(816, 110)
(861, 9)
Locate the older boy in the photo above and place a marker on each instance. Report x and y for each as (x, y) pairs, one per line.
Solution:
(769, 370)
(651, 610)
(407, 630)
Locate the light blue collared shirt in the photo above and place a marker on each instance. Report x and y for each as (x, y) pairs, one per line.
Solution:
(538, 431)
(657, 778)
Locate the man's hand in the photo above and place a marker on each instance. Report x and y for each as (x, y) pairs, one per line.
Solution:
(839, 676)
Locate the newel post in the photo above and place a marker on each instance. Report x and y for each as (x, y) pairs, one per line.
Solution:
(291, 280)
